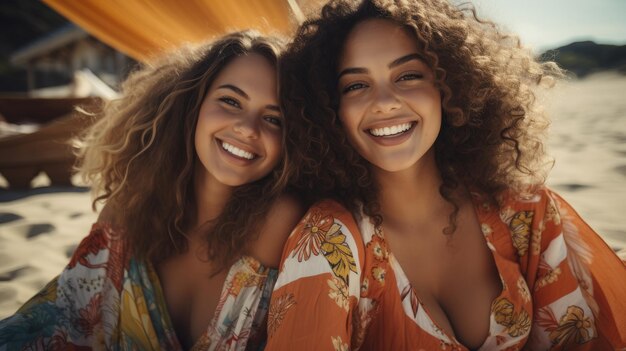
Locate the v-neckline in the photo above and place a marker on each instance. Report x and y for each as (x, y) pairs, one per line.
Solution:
(247, 260)
(483, 218)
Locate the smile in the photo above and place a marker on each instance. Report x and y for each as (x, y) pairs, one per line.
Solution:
(391, 131)
(235, 151)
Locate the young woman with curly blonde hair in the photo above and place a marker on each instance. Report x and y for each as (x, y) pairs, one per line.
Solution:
(192, 166)
(417, 122)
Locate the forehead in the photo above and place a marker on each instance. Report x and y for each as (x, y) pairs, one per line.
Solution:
(252, 73)
(377, 41)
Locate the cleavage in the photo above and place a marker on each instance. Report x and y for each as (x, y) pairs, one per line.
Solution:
(456, 282)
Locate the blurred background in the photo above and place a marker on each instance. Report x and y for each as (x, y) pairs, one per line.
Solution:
(57, 54)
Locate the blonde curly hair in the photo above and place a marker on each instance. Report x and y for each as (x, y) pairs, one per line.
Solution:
(140, 157)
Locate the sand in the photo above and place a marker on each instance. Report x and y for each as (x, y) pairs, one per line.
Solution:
(588, 143)
(39, 231)
(40, 228)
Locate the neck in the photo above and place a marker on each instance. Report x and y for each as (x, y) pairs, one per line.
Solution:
(211, 195)
(412, 194)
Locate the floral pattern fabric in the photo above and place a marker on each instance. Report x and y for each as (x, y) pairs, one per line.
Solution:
(340, 288)
(107, 300)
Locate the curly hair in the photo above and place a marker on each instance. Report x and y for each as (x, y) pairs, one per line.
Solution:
(140, 157)
(491, 134)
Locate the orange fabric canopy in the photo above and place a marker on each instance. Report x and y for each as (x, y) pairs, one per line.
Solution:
(143, 28)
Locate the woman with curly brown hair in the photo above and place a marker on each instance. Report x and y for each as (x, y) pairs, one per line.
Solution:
(419, 121)
(192, 165)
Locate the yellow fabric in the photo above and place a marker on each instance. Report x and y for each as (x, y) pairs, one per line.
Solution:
(143, 28)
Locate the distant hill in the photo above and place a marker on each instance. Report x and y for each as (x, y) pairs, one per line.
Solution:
(585, 57)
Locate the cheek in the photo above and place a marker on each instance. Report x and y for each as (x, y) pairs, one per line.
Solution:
(211, 118)
(434, 97)
(197, 134)
(427, 103)
(274, 147)
(348, 115)
(202, 128)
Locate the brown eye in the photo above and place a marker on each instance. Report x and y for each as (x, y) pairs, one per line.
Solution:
(274, 120)
(230, 101)
(410, 76)
(355, 86)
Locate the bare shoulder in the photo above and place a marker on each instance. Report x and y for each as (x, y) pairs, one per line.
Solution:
(107, 215)
(282, 218)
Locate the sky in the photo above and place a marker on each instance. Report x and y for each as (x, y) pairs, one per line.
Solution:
(546, 24)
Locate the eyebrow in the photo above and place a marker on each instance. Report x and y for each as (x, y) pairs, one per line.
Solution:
(405, 59)
(234, 89)
(243, 93)
(273, 108)
(395, 63)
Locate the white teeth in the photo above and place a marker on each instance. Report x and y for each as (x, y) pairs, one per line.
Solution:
(393, 130)
(237, 151)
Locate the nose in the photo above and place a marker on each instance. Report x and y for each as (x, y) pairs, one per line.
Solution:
(247, 127)
(385, 101)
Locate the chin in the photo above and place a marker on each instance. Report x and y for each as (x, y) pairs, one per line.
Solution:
(235, 182)
(391, 168)
(393, 164)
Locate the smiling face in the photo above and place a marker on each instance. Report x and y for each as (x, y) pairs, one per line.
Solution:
(389, 106)
(239, 131)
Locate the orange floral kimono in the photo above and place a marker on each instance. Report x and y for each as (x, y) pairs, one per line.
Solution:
(340, 288)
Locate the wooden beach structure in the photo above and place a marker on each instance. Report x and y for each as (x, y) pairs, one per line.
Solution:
(49, 149)
(140, 30)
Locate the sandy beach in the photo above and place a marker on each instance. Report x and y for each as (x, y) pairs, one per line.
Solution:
(40, 228)
(588, 144)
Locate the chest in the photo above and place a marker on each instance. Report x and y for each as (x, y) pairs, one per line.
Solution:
(454, 278)
(192, 295)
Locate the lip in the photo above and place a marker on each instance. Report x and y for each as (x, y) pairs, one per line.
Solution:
(393, 139)
(237, 160)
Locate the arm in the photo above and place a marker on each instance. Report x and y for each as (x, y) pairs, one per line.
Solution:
(283, 216)
(318, 285)
(579, 284)
(67, 311)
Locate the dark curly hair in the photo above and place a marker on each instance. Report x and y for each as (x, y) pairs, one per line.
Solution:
(491, 134)
(140, 155)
